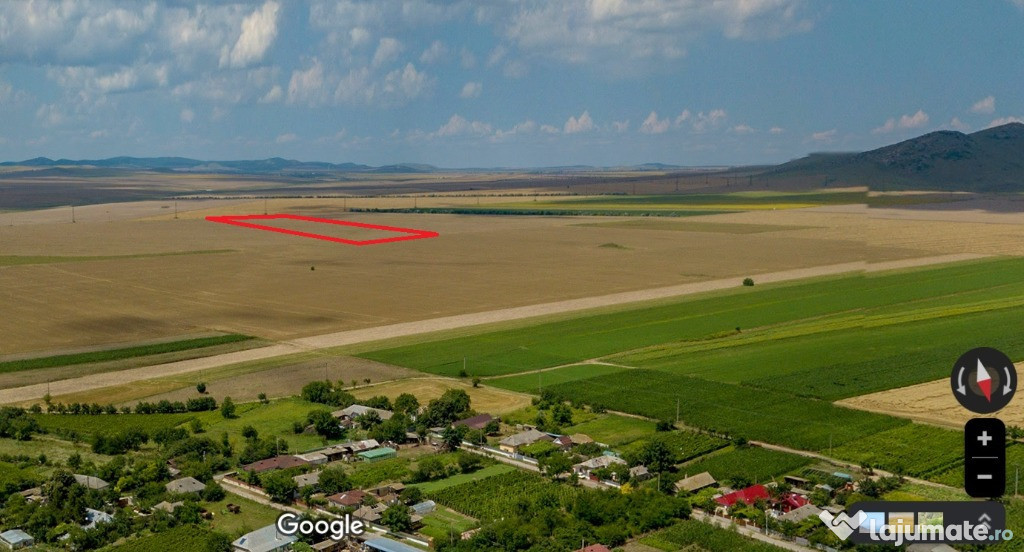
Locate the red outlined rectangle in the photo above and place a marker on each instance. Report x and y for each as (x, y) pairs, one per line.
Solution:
(240, 220)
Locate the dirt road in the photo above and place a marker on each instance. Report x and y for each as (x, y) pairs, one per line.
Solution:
(350, 337)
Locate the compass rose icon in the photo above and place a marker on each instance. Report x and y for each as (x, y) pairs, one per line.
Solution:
(983, 380)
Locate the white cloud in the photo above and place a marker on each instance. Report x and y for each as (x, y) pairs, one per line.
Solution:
(985, 105)
(653, 125)
(359, 36)
(286, 137)
(471, 90)
(405, 84)
(683, 116)
(187, 115)
(776, 130)
(525, 127)
(583, 124)
(387, 50)
(434, 53)
(457, 126)
(96, 134)
(258, 32)
(1005, 121)
(703, 122)
(549, 129)
(905, 122)
(620, 126)
(49, 115)
(743, 129)
(824, 136)
(273, 95)
(497, 54)
(608, 31)
(306, 85)
(956, 124)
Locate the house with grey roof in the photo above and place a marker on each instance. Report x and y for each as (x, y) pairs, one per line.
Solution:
(16, 539)
(695, 483)
(513, 443)
(91, 482)
(265, 539)
(185, 485)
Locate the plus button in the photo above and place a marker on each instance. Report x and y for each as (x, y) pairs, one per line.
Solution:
(985, 438)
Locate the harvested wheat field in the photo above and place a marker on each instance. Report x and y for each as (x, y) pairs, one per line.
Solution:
(931, 403)
(276, 286)
(482, 399)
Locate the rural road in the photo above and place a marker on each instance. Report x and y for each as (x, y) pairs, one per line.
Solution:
(350, 337)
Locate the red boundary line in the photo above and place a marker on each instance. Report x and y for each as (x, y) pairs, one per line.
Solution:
(237, 220)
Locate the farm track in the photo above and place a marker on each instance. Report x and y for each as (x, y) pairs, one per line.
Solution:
(350, 337)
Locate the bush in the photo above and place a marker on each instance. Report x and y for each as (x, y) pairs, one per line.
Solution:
(748, 282)
(201, 387)
(227, 408)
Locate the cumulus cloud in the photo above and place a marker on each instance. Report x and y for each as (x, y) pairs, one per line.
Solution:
(743, 129)
(708, 121)
(905, 122)
(515, 69)
(620, 126)
(549, 129)
(471, 90)
(458, 125)
(956, 124)
(258, 32)
(387, 50)
(582, 124)
(434, 53)
(985, 105)
(467, 59)
(286, 137)
(824, 136)
(776, 130)
(683, 117)
(603, 31)
(653, 125)
(187, 115)
(49, 115)
(306, 85)
(1005, 121)
(275, 94)
(526, 127)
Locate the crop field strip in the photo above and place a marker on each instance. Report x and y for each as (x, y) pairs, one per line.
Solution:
(120, 354)
(698, 320)
(754, 464)
(493, 497)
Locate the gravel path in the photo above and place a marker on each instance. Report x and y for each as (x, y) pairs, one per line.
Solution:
(350, 337)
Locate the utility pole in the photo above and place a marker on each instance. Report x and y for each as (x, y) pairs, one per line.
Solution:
(264, 206)
(175, 209)
(677, 410)
(72, 213)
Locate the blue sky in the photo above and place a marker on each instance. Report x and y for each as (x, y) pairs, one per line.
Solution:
(501, 83)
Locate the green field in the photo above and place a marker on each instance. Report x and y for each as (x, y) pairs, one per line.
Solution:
(441, 521)
(530, 383)
(87, 425)
(484, 473)
(737, 410)
(914, 319)
(14, 478)
(120, 354)
(613, 430)
(684, 444)
(492, 498)
(754, 464)
(695, 536)
(185, 537)
(272, 419)
(915, 449)
(252, 516)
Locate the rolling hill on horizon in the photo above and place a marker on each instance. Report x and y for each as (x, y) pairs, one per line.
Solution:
(990, 160)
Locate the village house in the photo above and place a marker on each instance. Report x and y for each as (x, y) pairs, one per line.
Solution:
(185, 485)
(265, 539)
(347, 499)
(695, 483)
(281, 462)
(350, 414)
(479, 421)
(513, 443)
(586, 469)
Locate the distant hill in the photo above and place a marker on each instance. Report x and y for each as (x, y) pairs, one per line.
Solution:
(986, 161)
(277, 165)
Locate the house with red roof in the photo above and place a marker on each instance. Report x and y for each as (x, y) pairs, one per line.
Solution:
(790, 502)
(749, 495)
(593, 548)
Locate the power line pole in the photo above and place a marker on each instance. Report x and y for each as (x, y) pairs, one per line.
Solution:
(677, 410)
(72, 213)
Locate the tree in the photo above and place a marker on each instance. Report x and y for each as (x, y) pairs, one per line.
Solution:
(201, 387)
(561, 415)
(468, 462)
(196, 426)
(334, 480)
(227, 408)
(476, 382)
(397, 518)
(369, 420)
(378, 401)
(452, 437)
(262, 398)
(324, 423)
(428, 469)
(748, 282)
(407, 403)
(411, 495)
(656, 455)
(280, 486)
(492, 427)
(318, 392)
(556, 464)
(250, 432)
(213, 492)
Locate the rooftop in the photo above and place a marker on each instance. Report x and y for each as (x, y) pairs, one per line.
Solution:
(264, 539)
(185, 485)
(383, 544)
(16, 536)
